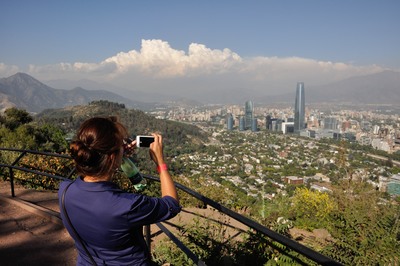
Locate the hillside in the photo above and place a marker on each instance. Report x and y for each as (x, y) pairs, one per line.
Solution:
(178, 137)
(25, 92)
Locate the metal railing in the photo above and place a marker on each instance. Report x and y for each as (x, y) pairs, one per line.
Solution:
(293, 245)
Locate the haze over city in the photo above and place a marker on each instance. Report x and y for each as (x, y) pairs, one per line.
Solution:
(192, 48)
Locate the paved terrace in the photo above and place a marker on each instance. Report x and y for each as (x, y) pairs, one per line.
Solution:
(32, 234)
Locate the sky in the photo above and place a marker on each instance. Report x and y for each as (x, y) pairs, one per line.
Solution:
(179, 47)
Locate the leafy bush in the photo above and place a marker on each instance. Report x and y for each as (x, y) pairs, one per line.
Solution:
(211, 243)
(167, 252)
(205, 238)
(365, 227)
(51, 165)
(311, 208)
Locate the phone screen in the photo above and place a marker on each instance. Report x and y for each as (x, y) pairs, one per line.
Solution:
(144, 141)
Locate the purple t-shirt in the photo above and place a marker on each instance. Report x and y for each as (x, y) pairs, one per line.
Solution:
(110, 221)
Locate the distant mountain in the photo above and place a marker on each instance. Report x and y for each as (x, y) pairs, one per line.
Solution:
(184, 102)
(141, 96)
(25, 92)
(379, 88)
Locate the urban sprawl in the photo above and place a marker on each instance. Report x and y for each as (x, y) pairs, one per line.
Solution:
(378, 128)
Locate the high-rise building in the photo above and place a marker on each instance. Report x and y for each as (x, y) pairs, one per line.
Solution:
(276, 124)
(241, 123)
(248, 113)
(229, 121)
(287, 127)
(299, 108)
(254, 126)
(330, 123)
(279, 125)
(365, 125)
(268, 122)
(272, 125)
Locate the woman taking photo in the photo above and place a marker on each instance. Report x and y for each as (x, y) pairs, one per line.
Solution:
(105, 221)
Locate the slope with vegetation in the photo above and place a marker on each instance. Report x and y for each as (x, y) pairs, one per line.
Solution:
(363, 224)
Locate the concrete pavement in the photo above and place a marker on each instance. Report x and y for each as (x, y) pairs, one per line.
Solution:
(31, 235)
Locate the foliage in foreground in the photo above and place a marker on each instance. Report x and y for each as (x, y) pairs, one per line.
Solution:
(39, 163)
(365, 230)
(212, 242)
(366, 227)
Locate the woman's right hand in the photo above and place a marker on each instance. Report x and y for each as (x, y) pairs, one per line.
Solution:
(156, 149)
(156, 153)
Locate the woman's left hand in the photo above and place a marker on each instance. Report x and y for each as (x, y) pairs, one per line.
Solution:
(129, 147)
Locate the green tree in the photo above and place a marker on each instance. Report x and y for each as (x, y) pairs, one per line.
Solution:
(15, 117)
(19, 138)
(50, 138)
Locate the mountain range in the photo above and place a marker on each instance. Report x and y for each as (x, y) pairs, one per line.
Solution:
(23, 91)
(379, 88)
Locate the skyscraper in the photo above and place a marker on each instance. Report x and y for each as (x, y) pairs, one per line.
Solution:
(299, 108)
(248, 113)
(268, 122)
(241, 123)
(229, 121)
(254, 126)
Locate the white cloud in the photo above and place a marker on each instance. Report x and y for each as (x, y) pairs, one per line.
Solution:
(159, 68)
(7, 70)
(156, 58)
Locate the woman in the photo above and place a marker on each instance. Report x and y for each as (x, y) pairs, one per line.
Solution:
(105, 221)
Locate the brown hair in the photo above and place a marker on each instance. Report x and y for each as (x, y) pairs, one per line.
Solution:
(96, 140)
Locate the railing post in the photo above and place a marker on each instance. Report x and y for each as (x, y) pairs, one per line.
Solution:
(12, 182)
(12, 172)
(147, 236)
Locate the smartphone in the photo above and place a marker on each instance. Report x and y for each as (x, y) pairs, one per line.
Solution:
(144, 141)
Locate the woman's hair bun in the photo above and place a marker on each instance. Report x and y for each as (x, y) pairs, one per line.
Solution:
(82, 154)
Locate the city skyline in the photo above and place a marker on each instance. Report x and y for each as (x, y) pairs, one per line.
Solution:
(198, 49)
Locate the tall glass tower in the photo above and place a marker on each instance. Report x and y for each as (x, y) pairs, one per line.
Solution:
(241, 123)
(229, 121)
(254, 127)
(248, 113)
(299, 108)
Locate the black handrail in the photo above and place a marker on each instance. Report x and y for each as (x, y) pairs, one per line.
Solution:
(23, 153)
(38, 152)
(301, 249)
